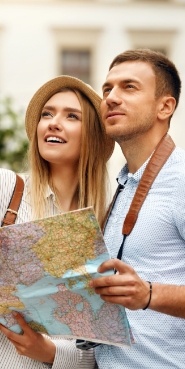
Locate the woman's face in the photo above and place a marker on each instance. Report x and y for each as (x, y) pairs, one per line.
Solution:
(59, 129)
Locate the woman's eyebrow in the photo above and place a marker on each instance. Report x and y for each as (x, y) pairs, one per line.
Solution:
(66, 108)
(49, 107)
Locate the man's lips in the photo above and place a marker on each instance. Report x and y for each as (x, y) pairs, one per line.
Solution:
(113, 114)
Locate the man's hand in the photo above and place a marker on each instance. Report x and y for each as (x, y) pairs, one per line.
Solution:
(124, 288)
(30, 343)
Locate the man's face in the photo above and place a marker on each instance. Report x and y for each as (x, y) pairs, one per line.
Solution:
(129, 107)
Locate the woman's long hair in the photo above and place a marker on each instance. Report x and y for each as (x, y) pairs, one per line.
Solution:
(92, 172)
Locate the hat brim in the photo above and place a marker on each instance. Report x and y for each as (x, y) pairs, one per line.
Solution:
(53, 86)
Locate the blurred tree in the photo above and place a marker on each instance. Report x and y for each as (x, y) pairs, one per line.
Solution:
(13, 142)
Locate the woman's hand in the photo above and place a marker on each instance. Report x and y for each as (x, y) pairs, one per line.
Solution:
(30, 343)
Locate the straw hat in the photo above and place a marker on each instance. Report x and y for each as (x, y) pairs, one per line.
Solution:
(50, 88)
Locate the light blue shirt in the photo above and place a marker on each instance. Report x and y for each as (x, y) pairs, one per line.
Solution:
(156, 250)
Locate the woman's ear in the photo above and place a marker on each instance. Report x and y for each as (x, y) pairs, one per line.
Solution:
(167, 106)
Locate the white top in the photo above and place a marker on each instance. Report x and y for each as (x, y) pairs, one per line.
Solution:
(67, 356)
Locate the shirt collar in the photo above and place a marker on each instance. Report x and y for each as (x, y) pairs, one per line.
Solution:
(124, 174)
(49, 193)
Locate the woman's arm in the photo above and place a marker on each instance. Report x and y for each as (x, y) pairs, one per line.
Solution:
(56, 351)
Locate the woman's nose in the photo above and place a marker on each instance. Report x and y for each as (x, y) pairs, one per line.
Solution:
(55, 123)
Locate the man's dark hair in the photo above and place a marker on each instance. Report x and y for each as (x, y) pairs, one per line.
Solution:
(167, 76)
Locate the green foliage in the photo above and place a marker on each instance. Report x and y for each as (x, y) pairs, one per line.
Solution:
(13, 141)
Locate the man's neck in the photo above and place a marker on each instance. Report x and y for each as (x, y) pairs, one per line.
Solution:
(138, 150)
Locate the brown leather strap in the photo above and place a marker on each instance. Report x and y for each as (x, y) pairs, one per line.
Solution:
(157, 160)
(13, 206)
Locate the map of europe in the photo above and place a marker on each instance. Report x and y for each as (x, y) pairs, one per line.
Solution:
(45, 269)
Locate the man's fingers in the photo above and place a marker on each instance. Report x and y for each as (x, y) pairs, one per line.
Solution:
(113, 281)
(116, 291)
(114, 264)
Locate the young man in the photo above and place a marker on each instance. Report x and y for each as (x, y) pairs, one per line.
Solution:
(140, 95)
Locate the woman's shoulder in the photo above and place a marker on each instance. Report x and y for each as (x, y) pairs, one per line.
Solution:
(5, 171)
(7, 178)
(7, 184)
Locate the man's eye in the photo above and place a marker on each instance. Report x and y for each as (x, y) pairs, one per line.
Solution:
(130, 86)
(106, 91)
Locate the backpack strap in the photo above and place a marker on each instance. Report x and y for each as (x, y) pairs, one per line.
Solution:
(14, 204)
(156, 162)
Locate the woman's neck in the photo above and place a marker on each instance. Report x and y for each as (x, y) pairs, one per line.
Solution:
(64, 184)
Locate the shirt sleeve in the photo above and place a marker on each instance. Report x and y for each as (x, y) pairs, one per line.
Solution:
(7, 184)
(69, 357)
(178, 204)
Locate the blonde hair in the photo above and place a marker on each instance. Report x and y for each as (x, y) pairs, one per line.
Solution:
(92, 172)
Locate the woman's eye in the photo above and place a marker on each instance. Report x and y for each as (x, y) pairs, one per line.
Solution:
(73, 116)
(46, 114)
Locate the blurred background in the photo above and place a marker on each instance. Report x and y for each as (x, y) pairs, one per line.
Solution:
(40, 39)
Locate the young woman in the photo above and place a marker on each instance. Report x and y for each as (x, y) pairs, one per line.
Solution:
(67, 154)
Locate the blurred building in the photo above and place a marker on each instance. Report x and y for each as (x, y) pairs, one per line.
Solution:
(40, 39)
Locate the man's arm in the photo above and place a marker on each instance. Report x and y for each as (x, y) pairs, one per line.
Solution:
(128, 289)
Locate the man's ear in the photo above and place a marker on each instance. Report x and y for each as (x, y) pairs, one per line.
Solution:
(166, 108)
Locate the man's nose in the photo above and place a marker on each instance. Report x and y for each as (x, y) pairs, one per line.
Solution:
(113, 97)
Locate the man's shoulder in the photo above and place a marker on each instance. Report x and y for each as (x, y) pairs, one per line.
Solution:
(179, 150)
(177, 156)
(174, 169)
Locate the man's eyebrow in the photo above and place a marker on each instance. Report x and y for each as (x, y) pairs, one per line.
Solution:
(123, 81)
(106, 84)
(130, 80)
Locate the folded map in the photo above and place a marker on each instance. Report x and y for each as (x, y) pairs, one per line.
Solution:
(45, 269)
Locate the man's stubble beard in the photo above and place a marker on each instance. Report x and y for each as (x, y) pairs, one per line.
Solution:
(132, 132)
